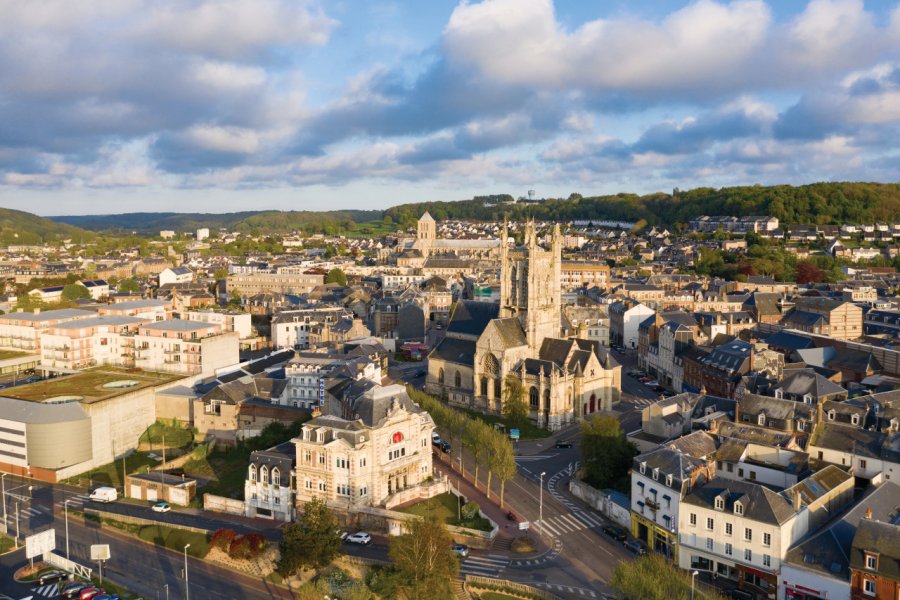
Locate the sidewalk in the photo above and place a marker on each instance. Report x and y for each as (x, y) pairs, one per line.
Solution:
(508, 530)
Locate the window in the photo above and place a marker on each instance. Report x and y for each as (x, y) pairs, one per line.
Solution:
(862, 464)
(643, 468)
(748, 534)
(308, 484)
(854, 419)
(533, 397)
(322, 459)
(693, 518)
(720, 503)
(363, 491)
(767, 539)
(741, 473)
(748, 555)
(669, 480)
(728, 549)
(709, 543)
(457, 380)
(440, 376)
(729, 467)
(276, 477)
(728, 528)
(484, 386)
(322, 487)
(871, 562)
(264, 475)
(362, 462)
(767, 560)
(869, 587)
(655, 474)
(738, 508)
(252, 472)
(710, 524)
(761, 420)
(831, 414)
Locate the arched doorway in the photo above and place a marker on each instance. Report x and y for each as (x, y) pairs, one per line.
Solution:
(593, 403)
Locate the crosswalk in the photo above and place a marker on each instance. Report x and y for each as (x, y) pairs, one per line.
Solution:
(486, 566)
(48, 591)
(28, 511)
(583, 592)
(570, 523)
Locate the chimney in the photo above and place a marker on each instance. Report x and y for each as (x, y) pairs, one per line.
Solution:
(869, 513)
(737, 412)
(796, 500)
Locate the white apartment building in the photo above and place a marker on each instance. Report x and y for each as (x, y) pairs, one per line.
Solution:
(202, 234)
(742, 531)
(189, 347)
(152, 310)
(292, 328)
(89, 342)
(22, 330)
(236, 321)
(305, 376)
(269, 487)
(739, 460)
(176, 275)
(624, 320)
(362, 462)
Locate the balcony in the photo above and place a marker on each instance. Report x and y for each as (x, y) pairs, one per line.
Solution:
(652, 504)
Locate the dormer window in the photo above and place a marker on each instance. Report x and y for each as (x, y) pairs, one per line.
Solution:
(779, 394)
(655, 474)
(669, 480)
(720, 503)
(808, 399)
(643, 468)
(871, 561)
(854, 419)
(252, 472)
(761, 419)
(264, 475)
(738, 508)
(276, 476)
(831, 415)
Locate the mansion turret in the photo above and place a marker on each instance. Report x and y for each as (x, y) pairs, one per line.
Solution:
(485, 344)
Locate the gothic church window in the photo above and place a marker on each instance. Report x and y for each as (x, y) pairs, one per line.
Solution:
(533, 397)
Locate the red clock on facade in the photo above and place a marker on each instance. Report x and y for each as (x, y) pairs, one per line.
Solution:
(398, 437)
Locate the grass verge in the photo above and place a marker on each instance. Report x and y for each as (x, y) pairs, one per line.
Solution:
(527, 430)
(444, 506)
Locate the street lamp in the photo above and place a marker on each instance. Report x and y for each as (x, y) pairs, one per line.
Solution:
(187, 586)
(3, 485)
(17, 523)
(694, 574)
(541, 504)
(458, 491)
(66, 508)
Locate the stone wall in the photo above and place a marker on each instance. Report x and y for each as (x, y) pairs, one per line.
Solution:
(423, 491)
(223, 505)
(601, 502)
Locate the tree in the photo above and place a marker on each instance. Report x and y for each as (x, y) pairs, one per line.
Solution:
(807, 272)
(502, 462)
(651, 577)
(129, 286)
(424, 560)
(220, 273)
(313, 541)
(336, 276)
(605, 452)
(514, 408)
(475, 438)
(75, 291)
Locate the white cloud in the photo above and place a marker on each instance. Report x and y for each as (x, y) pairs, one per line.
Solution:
(223, 139)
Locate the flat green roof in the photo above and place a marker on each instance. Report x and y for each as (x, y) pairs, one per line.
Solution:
(91, 385)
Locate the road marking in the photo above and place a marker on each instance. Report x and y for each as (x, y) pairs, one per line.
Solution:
(549, 527)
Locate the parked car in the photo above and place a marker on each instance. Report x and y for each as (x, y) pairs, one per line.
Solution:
(89, 593)
(563, 444)
(51, 576)
(616, 533)
(435, 439)
(461, 550)
(162, 507)
(105, 494)
(341, 534)
(636, 547)
(107, 597)
(445, 447)
(645, 379)
(360, 537)
(73, 589)
(651, 383)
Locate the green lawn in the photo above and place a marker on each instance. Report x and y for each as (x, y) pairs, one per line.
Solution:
(174, 435)
(6, 543)
(175, 539)
(527, 431)
(111, 474)
(7, 354)
(372, 229)
(444, 507)
(227, 470)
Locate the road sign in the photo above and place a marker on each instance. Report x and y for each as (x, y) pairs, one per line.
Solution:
(37, 544)
(523, 526)
(513, 434)
(99, 551)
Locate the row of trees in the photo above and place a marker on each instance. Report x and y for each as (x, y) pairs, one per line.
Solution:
(424, 564)
(489, 448)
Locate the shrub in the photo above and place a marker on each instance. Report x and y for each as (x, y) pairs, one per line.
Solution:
(222, 539)
(247, 547)
(470, 510)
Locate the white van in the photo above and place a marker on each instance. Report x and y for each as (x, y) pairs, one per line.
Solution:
(105, 494)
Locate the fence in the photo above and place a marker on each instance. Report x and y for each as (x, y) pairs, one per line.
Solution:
(489, 583)
(113, 516)
(221, 504)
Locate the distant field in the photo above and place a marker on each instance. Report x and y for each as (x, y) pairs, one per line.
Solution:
(372, 229)
(7, 354)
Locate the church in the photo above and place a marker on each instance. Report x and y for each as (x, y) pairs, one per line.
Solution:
(562, 379)
(427, 245)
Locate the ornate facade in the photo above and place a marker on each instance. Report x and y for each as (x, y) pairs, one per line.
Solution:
(561, 379)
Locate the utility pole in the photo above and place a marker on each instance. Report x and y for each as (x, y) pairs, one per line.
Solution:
(541, 509)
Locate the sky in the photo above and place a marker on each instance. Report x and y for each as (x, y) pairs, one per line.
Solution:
(111, 106)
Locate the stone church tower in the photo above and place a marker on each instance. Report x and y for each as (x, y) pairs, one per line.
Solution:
(426, 233)
(530, 285)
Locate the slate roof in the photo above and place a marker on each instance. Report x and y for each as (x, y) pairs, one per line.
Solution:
(760, 503)
(454, 350)
(803, 318)
(511, 332)
(698, 444)
(882, 539)
(669, 462)
(789, 341)
(471, 317)
(806, 381)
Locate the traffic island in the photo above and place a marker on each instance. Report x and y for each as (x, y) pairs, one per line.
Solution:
(523, 545)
